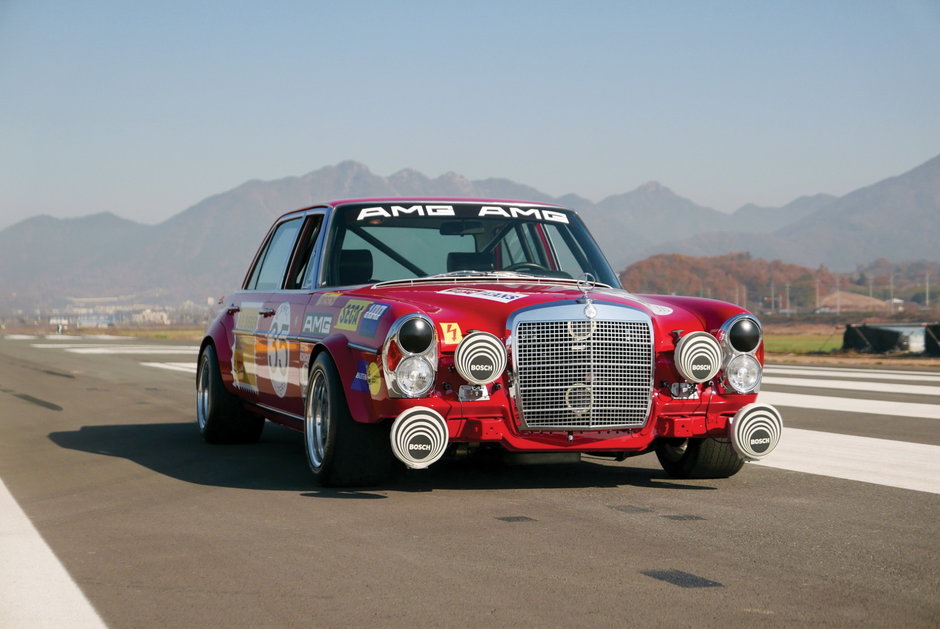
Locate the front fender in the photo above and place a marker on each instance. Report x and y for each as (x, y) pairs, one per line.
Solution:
(352, 362)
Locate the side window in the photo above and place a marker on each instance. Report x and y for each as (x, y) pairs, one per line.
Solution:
(272, 265)
(301, 276)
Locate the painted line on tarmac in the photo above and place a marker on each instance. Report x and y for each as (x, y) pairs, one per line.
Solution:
(898, 464)
(136, 349)
(851, 385)
(86, 348)
(36, 591)
(851, 405)
(68, 345)
(186, 367)
(854, 374)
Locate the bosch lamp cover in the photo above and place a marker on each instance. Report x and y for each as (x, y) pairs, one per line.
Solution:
(480, 358)
(698, 356)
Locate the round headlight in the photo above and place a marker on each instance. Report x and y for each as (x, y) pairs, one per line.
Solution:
(415, 335)
(744, 335)
(414, 375)
(743, 373)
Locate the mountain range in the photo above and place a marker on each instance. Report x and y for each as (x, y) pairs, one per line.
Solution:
(204, 250)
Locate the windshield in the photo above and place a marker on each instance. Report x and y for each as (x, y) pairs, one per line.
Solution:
(377, 243)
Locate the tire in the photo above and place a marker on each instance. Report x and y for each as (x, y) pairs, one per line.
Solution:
(341, 452)
(698, 458)
(219, 415)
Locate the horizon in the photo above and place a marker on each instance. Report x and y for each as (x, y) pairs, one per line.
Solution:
(144, 111)
(593, 201)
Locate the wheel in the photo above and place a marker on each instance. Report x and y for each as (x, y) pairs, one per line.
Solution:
(220, 416)
(698, 458)
(341, 452)
(526, 267)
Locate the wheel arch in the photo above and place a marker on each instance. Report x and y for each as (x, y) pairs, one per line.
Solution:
(346, 360)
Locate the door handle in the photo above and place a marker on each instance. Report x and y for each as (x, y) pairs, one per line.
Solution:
(266, 312)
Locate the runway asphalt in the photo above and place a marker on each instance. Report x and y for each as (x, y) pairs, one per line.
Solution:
(114, 512)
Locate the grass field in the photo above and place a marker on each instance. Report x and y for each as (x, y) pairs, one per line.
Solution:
(802, 343)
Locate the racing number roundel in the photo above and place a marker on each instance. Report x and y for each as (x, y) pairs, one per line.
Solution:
(279, 349)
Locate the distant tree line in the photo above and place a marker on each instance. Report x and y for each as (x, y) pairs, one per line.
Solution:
(772, 285)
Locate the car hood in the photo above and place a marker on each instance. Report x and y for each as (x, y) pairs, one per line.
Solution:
(486, 305)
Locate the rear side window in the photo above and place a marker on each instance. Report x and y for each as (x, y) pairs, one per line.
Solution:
(272, 265)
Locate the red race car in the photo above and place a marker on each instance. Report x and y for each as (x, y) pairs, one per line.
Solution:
(407, 329)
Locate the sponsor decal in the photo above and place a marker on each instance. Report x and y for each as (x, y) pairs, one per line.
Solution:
(395, 211)
(492, 295)
(419, 446)
(374, 377)
(327, 299)
(318, 324)
(654, 308)
(515, 212)
(244, 363)
(361, 380)
(279, 349)
(451, 334)
(760, 441)
(482, 367)
(371, 318)
(350, 314)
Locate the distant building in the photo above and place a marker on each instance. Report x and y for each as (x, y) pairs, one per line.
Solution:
(842, 301)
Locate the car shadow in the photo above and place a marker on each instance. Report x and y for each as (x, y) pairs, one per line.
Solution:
(278, 463)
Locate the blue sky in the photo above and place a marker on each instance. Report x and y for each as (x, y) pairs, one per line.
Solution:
(145, 108)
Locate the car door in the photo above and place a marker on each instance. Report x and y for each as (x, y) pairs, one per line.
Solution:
(246, 309)
(281, 352)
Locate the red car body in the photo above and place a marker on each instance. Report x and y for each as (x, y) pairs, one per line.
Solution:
(550, 363)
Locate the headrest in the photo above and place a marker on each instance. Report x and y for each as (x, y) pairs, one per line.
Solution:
(355, 266)
(470, 261)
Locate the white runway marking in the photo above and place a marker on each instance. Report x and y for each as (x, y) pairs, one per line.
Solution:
(35, 589)
(136, 349)
(854, 374)
(86, 348)
(19, 337)
(913, 466)
(71, 345)
(186, 367)
(851, 405)
(851, 385)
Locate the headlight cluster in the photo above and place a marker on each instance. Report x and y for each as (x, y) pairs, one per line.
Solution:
(740, 337)
(700, 356)
(409, 357)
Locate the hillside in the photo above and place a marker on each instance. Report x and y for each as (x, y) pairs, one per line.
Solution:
(761, 284)
(203, 251)
(897, 218)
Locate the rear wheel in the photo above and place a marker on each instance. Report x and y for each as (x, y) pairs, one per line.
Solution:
(220, 416)
(341, 452)
(698, 458)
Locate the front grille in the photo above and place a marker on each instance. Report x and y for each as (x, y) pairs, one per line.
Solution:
(583, 375)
